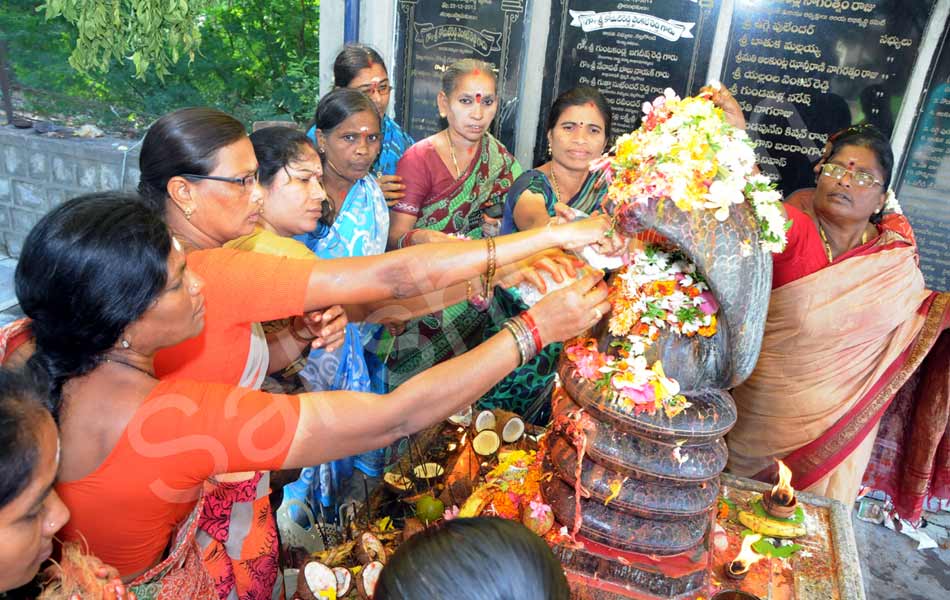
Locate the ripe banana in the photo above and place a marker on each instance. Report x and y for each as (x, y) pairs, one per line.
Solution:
(770, 527)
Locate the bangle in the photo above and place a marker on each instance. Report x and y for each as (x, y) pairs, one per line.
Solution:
(405, 240)
(490, 273)
(523, 338)
(533, 328)
(521, 357)
(296, 334)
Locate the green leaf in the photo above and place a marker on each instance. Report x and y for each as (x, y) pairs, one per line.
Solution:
(758, 509)
(765, 547)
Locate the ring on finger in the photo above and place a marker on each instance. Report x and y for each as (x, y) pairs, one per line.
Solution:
(597, 314)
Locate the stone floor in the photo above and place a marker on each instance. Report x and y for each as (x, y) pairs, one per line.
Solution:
(894, 569)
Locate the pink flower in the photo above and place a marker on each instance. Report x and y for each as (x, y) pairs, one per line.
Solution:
(451, 513)
(539, 510)
(709, 305)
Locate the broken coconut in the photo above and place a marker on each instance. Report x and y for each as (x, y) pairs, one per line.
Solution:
(485, 420)
(397, 482)
(486, 443)
(370, 549)
(344, 581)
(463, 417)
(428, 470)
(508, 426)
(368, 578)
(315, 578)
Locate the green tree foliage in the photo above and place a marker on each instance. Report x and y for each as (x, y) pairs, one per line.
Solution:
(152, 33)
(258, 59)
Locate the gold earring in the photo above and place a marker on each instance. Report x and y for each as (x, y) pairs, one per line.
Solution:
(126, 343)
(188, 212)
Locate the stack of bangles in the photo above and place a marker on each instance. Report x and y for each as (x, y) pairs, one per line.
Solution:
(527, 336)
(483, 300)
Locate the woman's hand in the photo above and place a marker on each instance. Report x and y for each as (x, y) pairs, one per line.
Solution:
(571, 310)
(109, 586)
(724, 99)
(596, 229)
(556, 263)
(393, 188)
(328, 327)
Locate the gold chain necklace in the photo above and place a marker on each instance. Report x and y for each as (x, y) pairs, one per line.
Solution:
(557, 188)
(827, 244)
(458, 172)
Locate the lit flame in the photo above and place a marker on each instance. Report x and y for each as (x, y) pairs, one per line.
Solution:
(783, 492)
(464, 437)
(747, 556)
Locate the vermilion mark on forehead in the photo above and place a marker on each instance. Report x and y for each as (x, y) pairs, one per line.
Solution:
(478, 97)
(590, 104)
(476, 72)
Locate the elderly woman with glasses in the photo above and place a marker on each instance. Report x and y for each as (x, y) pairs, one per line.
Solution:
(850, 327)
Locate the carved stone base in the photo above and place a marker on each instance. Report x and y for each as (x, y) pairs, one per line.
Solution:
(596, 572)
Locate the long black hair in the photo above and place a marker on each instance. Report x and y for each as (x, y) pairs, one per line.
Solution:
(352, 59)
(579, 96)
(275, 147)
(88, 269)
(21, 413)
(473, 559)
(183, 141)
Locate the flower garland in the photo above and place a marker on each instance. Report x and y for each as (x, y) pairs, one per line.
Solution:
(687, 152)
(657, 291)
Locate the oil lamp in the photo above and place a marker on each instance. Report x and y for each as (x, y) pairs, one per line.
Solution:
(780, 501)
(738, 568)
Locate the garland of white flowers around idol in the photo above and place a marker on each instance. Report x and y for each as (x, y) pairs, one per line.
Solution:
(686, 152)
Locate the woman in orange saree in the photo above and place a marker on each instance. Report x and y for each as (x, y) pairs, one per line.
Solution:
(850, 324)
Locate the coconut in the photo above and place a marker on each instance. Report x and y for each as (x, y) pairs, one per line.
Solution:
(508, 426)
(463, 417)
(428, 470)
(369, 549)
(344, 581)
(368, 578)
(397, 482)
(485, 420)
(314, 578)
(539, 520)
(486, 443)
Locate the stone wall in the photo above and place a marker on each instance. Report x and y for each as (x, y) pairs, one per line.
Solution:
(39, 172)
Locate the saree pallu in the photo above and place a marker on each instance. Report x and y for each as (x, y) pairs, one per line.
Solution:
(458, 328)
(838, 344)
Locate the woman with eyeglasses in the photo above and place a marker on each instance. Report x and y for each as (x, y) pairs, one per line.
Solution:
(850, 322)
(138, 449)
(361, 68)
(199, 169)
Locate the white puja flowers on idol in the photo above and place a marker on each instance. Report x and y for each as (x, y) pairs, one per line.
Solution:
(721, 196)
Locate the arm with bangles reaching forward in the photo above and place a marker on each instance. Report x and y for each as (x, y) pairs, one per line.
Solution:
(337, 424)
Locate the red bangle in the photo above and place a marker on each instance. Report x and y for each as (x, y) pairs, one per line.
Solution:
(406, 240)
(529, 321)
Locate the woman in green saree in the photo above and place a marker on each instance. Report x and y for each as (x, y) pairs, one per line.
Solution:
(453, 179)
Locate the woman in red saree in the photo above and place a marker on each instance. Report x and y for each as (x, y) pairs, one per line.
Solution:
(850, 323)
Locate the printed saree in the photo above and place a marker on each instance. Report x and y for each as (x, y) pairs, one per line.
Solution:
(441, 335)
(526, 389)
(839, 344)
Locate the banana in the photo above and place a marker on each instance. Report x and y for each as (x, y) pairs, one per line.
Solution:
(770, 527)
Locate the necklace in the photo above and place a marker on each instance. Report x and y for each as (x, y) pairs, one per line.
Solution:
(557, 188)
(827, 244)
(131, 366)
(458, 172)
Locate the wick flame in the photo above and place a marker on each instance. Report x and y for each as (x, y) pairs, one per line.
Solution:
(783, 492)
(464, 437)
(747, 556)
